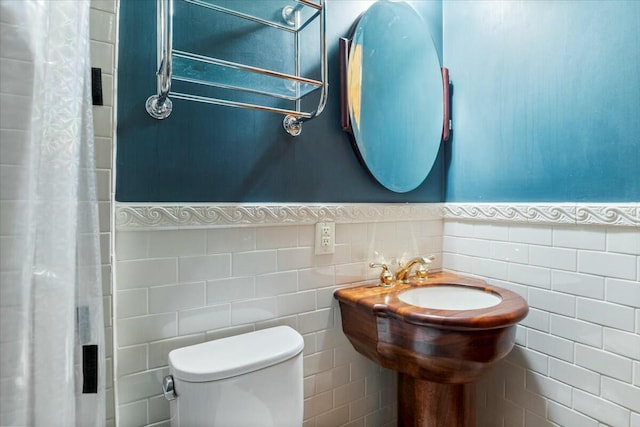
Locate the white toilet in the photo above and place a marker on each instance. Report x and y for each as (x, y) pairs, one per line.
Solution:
(249, 380)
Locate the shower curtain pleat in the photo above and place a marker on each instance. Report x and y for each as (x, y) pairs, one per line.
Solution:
(50, 273)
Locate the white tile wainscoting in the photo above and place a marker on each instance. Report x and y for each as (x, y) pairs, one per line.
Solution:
(187, 274)
(577, 358)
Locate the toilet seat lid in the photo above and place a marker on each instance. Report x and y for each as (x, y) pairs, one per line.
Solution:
(236, 355)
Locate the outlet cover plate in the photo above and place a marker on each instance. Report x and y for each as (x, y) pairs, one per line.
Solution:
(325, 238)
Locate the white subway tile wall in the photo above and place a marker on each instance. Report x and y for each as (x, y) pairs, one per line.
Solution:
(576, 362)
(182, 287)
(103, 35)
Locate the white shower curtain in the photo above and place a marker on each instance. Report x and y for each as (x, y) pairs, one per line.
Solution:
(51, 321)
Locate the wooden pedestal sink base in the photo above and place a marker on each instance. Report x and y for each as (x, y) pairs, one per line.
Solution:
(427, 404)
(438, 353)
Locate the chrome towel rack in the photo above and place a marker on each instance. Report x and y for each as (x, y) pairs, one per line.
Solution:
(210, 71)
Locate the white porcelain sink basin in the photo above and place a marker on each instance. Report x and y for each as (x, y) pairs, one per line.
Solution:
(447, 297)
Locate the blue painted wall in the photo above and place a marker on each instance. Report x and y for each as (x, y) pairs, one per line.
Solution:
(207, 153)
(547, 100)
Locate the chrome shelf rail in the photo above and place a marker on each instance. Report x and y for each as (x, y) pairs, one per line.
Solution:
(208, 71)
(202, 69)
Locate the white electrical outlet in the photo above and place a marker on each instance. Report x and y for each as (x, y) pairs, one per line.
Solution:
(325, 238)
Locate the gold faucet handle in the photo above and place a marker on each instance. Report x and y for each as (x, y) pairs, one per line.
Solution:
(428, 260)
(386, 278)
(423, 271)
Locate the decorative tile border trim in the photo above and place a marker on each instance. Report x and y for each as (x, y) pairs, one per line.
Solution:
(553, 213)
(160, 216)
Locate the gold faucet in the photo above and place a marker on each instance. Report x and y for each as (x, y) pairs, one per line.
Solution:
(421, 272)
(386, 278)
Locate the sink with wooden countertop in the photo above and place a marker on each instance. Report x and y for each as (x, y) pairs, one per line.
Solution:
(440, 341)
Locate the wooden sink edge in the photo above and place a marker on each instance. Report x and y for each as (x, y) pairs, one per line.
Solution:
(384, 301)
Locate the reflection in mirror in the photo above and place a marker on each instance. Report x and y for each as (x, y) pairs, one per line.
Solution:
(394, 94)
(354, 76)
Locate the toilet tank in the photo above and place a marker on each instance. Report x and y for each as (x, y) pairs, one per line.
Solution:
(248, 380)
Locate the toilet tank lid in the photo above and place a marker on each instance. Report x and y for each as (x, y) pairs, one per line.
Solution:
(236, 355)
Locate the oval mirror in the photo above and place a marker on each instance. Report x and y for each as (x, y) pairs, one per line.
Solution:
(394, 95)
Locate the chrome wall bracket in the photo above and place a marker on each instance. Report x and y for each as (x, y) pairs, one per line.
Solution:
(292, 124)
(289, 15)
(159, 106)
(156, 109)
